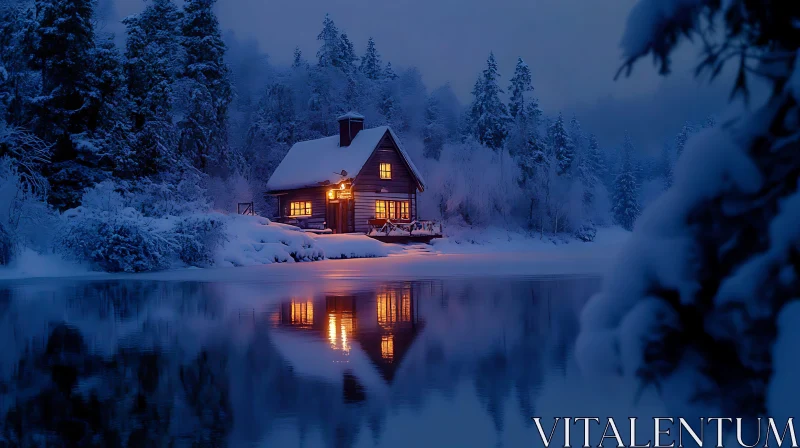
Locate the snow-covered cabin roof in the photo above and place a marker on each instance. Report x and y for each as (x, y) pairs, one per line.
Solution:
(313, 163)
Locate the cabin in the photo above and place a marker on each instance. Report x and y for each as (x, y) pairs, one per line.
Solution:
(355, 181)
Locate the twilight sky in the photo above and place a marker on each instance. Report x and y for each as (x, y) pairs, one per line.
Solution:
(570, 45)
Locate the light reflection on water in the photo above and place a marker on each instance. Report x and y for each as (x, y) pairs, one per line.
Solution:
(148, 363)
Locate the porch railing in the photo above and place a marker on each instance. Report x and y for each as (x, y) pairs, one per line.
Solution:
(420, 228)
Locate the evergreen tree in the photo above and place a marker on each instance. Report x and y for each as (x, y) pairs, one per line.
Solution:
(19, 83)
(347, 54)
(520, 84)
(595, 161)
(434, 132)
(561, 145)
(626, 192)
(489, 116)
(67, 108)
(371, 62)
(389, 72)
(152, 58)
(329, 51)
(204, 128)
(298, 61)
(683, 136)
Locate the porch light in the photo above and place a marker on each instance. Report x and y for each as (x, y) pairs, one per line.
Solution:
(341, 186)
(331, 194)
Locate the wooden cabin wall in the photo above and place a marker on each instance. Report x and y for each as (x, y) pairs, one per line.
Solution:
(368, 185)
(318, 204)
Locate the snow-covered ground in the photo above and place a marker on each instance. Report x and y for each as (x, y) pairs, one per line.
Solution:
(253, 242)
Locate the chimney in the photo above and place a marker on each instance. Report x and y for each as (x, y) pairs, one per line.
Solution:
(349, 125)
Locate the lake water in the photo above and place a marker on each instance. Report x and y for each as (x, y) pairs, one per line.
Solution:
(339, 363)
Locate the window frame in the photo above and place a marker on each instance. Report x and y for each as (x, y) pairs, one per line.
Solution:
(404, 210)
(385, 170)
(380, 209)
(299, 209)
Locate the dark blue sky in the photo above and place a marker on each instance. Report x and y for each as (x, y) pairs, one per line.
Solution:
(572, 47)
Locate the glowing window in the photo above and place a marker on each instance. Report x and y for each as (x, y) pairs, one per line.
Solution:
(387, 348)
(302, 208)
(386, 170)
(404, 210)
(392, 209)
(380, 209)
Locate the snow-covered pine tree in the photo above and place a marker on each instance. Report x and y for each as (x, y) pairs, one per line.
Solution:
(488, 114)
(152, 62)
(347, 54)
(595, 160)
(329, 50)
(69, 100)
(203, 130)
(434, 133)
(371, 65)
(389, 72)
(519, 85)
(19, 83)
(297, 60)
(562, 146)
(519, 109)
(705, 295)
(626, 192)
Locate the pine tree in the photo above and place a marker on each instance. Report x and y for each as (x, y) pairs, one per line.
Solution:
(329, 51)
(626, 192)
(66, 109)
(562, 146)
(297, 61)
(152, 63)
(683, 136)
(203, 138)
(347, 54)
(389, 72)
(489, 116)
(519, 85)
(595, 161)
(371, 62)
(19, 83)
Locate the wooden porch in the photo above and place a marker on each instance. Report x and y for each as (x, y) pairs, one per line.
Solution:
(404, 232)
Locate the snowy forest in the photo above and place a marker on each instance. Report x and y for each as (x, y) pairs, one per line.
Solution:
(130, 152)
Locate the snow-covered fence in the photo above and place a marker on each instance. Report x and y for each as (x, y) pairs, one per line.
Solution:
(413, 228)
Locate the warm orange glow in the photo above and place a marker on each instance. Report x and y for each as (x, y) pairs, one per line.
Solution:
(340, 331)
(405, 306)
(387, 309)
(302, 313)
(341, 186)
(387, 347)
(331, 194)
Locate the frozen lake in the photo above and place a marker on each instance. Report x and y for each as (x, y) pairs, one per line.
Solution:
(266, 360)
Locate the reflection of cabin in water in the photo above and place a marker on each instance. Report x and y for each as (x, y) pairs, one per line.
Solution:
(382, 323)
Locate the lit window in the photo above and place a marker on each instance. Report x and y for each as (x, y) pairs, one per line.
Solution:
(302, 208)
(404, 210)
(386, 170)
(392, 212)
(387, 348)
(380, 209)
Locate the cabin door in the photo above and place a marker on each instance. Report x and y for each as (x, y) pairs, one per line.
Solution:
(343, 220)
(339, 216)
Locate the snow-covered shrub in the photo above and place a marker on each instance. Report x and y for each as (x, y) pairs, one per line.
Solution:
(198, 237)
(586, 232)
(25, 219)
(113, 237)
